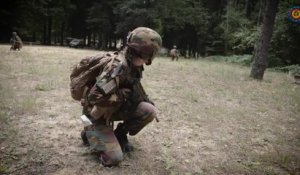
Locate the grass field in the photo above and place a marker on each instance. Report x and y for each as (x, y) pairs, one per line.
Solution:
(214, 119)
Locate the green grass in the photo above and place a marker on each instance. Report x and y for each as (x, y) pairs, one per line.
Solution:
(3, 169)
(214, 119)
(225, 100)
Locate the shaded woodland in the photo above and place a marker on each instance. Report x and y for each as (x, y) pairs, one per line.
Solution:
(197, 27)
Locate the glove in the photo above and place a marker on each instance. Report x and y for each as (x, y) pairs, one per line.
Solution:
(123, 94)
(150, 101)
(102, 112)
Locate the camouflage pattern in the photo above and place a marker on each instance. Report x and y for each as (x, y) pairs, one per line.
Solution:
(174, 53)
(103, 141)
(135, 121)
(16, 42)
(113, 97)
(145, 41)
(124, 96)
(117, 95)
(84, 74)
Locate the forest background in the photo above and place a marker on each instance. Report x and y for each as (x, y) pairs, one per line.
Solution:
(197, 27)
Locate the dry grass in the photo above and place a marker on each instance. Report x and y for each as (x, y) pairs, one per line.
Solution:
(213, 119)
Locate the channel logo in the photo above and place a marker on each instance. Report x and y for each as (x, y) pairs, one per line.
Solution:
(294, 14)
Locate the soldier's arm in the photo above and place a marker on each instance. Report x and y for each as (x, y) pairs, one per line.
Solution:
(102, 93)
(140, 92)
(105, 91)
(18, 39)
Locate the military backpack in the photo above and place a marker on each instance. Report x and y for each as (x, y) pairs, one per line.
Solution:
(85, 72)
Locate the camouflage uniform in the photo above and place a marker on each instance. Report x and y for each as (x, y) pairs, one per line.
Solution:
(16, 42)
(174, 53)
(117, 95)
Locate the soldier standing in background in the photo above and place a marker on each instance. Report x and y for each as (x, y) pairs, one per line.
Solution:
(116, 94)
(16, 42)
(174, 53)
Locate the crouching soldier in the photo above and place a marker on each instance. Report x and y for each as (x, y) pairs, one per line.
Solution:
(115, 93)
(16, 42)
(174, 53)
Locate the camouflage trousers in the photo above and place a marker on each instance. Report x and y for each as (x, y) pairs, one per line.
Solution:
(16, 46)
(174, 57)
(102, 139)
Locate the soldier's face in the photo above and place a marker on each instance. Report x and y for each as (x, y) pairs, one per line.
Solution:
(138, 61)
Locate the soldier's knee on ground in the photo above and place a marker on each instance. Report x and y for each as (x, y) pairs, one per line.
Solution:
(111, 158)
(146, 111)
(103, 141)
(144, 114)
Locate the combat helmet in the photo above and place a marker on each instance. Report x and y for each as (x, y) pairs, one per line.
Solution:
(145, 42)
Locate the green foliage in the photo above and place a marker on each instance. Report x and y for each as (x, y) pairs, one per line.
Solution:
(274, 61)
(99, 18)
(237, 31)
(43, 14)
(286, 36)
(192, 25)
(3, 169)
(186, 23)
(3, 114)
(238, 59)
(135, 13)
(292, 69)
(244, 40)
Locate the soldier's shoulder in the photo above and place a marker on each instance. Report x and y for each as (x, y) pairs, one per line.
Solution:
(105, 57)
(110, 54)
(111, 60)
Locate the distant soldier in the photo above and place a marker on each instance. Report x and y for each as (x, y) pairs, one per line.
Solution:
(109, 88)
(174, 53)
(16, 42)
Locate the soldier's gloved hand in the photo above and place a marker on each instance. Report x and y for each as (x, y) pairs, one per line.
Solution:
(101, 112)
(123, 94)
(150, 101)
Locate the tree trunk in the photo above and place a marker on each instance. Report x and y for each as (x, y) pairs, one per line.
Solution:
(247, 8)
(261, 51)
(262, 4)
(33, 36)
(89, 39)
(115, 44)
(49, 30)
(62, 29)
(94, 41)
(227, 25)
(109, 43)
(103, 41)
(44, 32)
(99, 41)
(84, 40)
(124, 41)
(55, 38)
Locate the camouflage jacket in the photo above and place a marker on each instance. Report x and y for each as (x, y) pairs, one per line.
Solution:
(116, 82)
(16, 39)
(174, 52)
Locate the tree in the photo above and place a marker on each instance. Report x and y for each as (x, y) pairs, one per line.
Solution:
(9, 19)
(185, 23)
(261, 51)
(286, 33)
(135, 13)
(100, 22)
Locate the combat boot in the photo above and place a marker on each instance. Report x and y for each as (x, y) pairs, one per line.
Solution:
(84, 138)
(121, 135)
